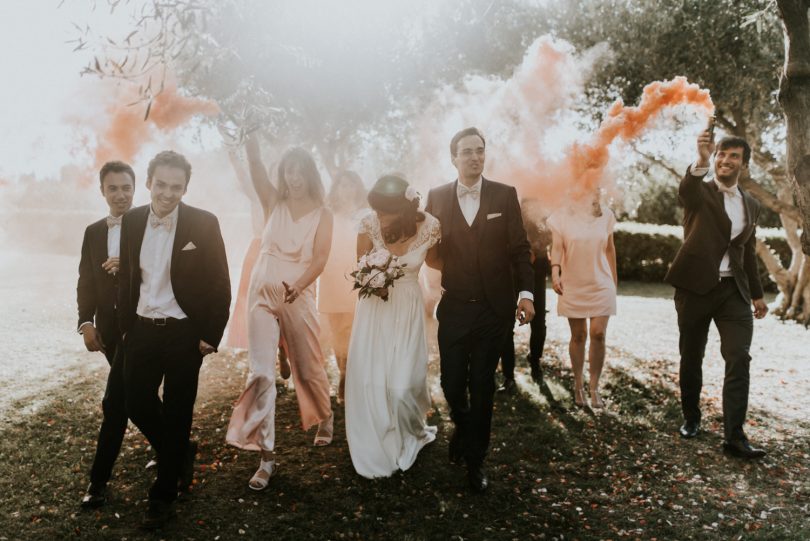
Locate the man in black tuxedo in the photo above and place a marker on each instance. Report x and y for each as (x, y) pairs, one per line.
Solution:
(716, 278)
(173, 300)
(96, 295)
(485, 259)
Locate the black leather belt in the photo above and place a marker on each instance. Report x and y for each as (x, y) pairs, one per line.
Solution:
(459, 298)
(726, 278)
(160, 321)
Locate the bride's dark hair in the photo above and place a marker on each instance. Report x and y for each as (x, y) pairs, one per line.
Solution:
(389, 197)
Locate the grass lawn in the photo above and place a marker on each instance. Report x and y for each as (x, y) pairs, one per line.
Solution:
(557, 472)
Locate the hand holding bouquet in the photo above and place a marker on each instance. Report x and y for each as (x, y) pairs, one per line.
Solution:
(376, 272)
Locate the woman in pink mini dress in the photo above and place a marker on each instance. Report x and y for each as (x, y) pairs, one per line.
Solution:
(583, 274)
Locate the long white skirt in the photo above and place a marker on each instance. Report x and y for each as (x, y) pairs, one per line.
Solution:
(387, 397)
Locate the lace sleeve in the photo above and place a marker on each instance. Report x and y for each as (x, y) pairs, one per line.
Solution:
(370, 226)
(434, 231)
(363, 223)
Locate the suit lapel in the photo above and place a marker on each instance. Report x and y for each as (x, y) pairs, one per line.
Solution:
(138, 229)
(447, 209)
(101, 240)
(485, 197)
(180, 233)
(720, 209)
(748, 205)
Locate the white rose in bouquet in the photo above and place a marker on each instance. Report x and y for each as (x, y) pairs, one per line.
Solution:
(378, 280)
(363, 262)
(378, 258)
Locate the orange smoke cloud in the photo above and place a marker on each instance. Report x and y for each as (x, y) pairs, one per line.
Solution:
(126, 131)
(529, 118)
(585, 164)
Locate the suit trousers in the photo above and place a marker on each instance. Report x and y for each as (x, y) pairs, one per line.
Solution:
(537, 338)
(169, 354)
(470, 337)
(735, 323)
(114, 411)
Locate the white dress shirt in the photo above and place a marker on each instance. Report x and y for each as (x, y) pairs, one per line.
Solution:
(114, 241)
(157, 297)
(469, 201)
(735, 209)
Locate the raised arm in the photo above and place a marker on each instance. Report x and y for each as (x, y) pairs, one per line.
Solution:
(266, 192)
(689, 189)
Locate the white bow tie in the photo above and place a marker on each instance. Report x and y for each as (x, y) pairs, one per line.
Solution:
(156, 222)
(464, 191)
(113, 221)
(728, 190)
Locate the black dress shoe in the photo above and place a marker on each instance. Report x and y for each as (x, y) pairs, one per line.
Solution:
(477, 478)
(187, 468)
(743, 449)
(509, 386)
(689, 429)
(537, 374)
(454, 449)
(95, 497)
(158, 514)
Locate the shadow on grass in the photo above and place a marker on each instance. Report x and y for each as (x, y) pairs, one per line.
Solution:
(555, 470)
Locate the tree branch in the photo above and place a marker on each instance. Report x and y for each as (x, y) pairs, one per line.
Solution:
(657, 161)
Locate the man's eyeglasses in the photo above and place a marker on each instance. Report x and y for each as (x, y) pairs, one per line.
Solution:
(469, 152)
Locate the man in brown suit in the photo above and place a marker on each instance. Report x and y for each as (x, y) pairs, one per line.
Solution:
(716, 279)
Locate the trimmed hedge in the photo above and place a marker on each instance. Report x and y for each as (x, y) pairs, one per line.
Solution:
(644, 252)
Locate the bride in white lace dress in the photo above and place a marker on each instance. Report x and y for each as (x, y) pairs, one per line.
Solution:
(387, 397)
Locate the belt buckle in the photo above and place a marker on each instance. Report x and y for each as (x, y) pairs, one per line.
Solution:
(160, 322)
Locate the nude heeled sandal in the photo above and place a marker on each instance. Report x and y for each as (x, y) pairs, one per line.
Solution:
(261, 479)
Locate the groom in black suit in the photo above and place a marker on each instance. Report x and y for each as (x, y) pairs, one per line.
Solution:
(96, 294)
(485, 258)
(716, 279)
(173, 301)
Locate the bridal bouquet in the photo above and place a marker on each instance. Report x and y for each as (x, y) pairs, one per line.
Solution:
(376, 272)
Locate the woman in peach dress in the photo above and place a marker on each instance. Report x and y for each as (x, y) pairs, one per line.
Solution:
(295, 247)
(583, 274)
(336, 299)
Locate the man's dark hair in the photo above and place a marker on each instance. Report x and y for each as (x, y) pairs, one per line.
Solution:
(115, 167)
(735, 142)
(169, 158)
(464, 133)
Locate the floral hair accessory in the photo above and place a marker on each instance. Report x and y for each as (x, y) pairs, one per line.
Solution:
(411, 193)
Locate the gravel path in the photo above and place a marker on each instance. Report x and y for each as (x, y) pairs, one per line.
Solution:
(646, 329)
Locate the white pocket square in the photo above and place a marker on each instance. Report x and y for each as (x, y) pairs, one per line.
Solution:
(494, 215)
(189, 246)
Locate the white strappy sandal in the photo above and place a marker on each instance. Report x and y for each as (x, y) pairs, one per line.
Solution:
(325, 430)
(261, 479)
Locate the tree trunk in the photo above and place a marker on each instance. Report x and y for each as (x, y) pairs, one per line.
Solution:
(794, 97)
